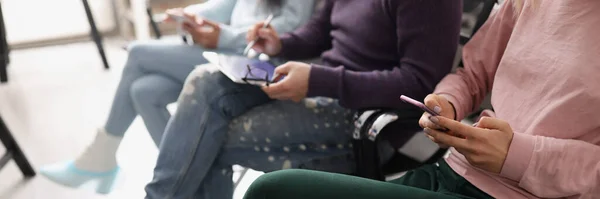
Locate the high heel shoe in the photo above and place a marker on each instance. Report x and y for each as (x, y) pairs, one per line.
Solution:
(67, 174)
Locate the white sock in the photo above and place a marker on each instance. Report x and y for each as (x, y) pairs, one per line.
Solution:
(100, 156)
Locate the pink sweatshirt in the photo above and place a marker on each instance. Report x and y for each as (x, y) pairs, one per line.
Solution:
(543, 67)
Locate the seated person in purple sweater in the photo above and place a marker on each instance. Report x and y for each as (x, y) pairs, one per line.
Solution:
(372, 52)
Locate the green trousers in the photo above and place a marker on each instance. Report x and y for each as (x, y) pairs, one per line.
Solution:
(429, 181)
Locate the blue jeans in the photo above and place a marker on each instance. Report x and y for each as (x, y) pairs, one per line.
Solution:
(219, 123)
(152, 78)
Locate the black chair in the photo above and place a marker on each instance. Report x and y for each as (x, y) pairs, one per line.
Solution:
(4, 48)
(375, 155)
(153, 25)
(151, 19)
(95, 33)
(475, 13)
(13, 152)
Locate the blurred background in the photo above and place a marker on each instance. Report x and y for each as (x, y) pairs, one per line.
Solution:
(57, 90)
(32, 23)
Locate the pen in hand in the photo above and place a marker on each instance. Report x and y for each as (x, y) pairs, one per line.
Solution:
(251, 43)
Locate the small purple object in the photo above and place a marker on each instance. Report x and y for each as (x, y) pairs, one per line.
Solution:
(418, 104)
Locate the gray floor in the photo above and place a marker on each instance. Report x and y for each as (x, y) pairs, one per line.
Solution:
(56, 98)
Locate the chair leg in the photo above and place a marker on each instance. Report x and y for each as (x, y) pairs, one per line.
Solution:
(367, 160)
(14, 151)
(153, 23)
(4, 50)
(242, 174)
(3, 72)
(94, 32)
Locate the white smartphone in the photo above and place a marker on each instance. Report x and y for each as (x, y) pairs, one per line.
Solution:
(179, 18)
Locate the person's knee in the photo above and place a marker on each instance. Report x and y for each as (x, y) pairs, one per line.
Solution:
(138, 49)
(144, 92)
(198, 82)
(139, 53)
(201, 71)
(271, 183)
(196, 75)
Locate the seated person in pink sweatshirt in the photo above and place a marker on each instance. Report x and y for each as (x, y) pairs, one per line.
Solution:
(541, 60)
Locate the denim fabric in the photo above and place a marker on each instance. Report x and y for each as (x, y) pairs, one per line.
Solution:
(220, 123)
(152, 78)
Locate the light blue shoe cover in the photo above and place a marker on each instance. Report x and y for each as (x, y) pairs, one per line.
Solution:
(67, 174)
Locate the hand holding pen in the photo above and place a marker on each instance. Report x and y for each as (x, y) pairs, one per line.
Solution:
(263, 39)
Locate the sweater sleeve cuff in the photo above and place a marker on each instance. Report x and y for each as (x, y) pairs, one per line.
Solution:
(518, 157)
(286, 42)
(227, 37)
(324, 81)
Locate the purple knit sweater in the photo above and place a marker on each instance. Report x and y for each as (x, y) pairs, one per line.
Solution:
(376, 50)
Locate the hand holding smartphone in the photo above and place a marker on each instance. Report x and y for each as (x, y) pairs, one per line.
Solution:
(418, 104)
(422, 107)
(179, 18)
(177, 15)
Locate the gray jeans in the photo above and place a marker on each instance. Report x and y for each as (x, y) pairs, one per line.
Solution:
(219, 123)
(152, 78)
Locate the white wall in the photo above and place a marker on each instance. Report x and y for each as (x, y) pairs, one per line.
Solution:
(31, 20)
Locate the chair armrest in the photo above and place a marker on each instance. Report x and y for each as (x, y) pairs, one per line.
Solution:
(380, 122)
(360, 119)
(371, 124)
(389, 141)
